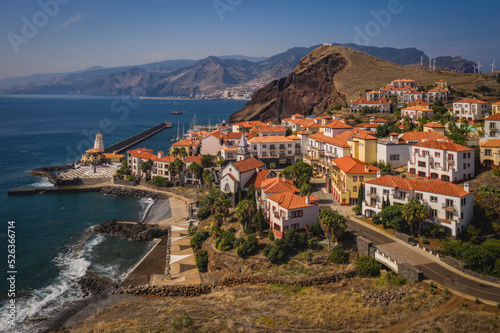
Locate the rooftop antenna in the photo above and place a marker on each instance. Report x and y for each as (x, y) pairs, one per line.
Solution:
(493, 66)
(421, 61)
(479, 67)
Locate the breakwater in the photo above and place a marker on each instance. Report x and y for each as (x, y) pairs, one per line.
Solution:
(133, 193)
(137, 138)
(129, 230)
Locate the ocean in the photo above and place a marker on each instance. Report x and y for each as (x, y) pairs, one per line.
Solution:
(41, 130)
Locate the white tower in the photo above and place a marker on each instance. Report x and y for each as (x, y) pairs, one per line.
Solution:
(99, 143)
(243, 152)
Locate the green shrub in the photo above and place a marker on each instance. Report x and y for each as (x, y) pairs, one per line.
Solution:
(250, 230)
(423, 240)
(225, 241)
(357, 210)
(495, 172)
(201, 259)
(312, 243)
(376, 219)
(270, 235)
(477, 301)
(367, 266)
(248, 247)
(390, 279)
(131, 178)
(398, 224)
(338, 255)
(182, 322)
(295, 241)
(275, 253)
(161, 182)
(204, 212)
(198, 238)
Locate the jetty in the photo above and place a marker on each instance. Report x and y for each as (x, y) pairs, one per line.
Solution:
(135, 139)
(28, 190)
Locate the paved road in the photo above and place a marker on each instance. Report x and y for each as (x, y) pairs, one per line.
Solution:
(432, 270)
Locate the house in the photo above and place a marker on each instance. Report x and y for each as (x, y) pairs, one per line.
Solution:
(160, 168)
(490, 153)
(373, 95)
(291, 211)
(416, 112)
(136, 157)
(363, 146)
(393, 150)
(190, 145)
(269, 131)
(450, 206)
(236, 175)
(447, 161)
(212, 143)
(246, 126)
(190, 178)
(472, 109)
(379, 121)
(434, 127)
(442, 84)
(380, 105)
(438, 93)
(419, 102)
(335, 127)
(495, 108)
(276, 149)
(401, 83)
(348, 175)
(417, 137)
(491, 127)
(276, 185)
(414, 95)
(367, 127)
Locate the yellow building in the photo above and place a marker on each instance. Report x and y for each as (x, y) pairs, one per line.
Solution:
(347, 177)
(190, 146)
(442, 84)
(434, 127)
(363, 147)
(495, 108)
(490, 153)
(97, 155)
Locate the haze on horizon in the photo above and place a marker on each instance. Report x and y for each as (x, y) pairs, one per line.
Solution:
(70, 35)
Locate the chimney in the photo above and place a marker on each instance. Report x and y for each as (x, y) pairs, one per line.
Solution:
(379, 173)
(283, 178)
(308, 200)
(366, 168)
(467, 187)
(160, 154)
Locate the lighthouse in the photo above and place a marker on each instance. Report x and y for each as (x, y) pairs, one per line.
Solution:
(99, 143)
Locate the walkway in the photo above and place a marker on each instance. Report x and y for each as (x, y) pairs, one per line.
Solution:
(433, 268)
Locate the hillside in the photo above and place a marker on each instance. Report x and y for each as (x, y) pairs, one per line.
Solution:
(335, 75)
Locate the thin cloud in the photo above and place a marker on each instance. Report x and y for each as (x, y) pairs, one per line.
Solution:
(71, 20)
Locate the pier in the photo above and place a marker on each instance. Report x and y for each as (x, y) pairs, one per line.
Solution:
(27, 190)
(135, 139)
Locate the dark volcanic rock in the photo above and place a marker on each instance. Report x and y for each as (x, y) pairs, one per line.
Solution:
(134, 231)
(93, 284)
(132, 192)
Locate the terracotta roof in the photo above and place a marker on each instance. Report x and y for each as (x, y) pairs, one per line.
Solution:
(232, 177)
(434, 125)
(272, 129)
(436, 186)
(339, 115)
(140, 150)
(337, 124)
(277, 185)
(167, 159)
(297, 115)
(98, 134)
(419, 136)
(490, 143)
(93, 150)
(251, 123)
(438, 88)
(496, 103)
(365, 136)
(218, 134)
(186, 142)
(443, 145)
(237, 135)
(350, 164)
(257, 178)
(471, 100)
(496, 116)
(248, 164)
(393, 133)
(380, 120)
(327, 117)
(340, 142)
(113, 155)
(303, 133)
(417, 108)
(229, 148)
(368, 125)
(293, 201)
(418, 102)
(293, 137)
(377, 102)
(270, 139)
(196, 159)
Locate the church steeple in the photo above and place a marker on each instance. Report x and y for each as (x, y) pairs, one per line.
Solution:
(243, 152)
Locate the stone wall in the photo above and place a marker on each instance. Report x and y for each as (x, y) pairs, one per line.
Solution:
(95, 181)
(123, 182)
(363, 245)
(410, 273)
(404, 237)
(460, 265)
(481, 276)
(132, 192)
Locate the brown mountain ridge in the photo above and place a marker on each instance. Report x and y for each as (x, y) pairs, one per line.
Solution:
(334, 75)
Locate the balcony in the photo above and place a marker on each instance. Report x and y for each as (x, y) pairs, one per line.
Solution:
(448, 208)
(371, 206)
(373, 195)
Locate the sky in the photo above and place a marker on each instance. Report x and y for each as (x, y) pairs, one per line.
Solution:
(52, 36)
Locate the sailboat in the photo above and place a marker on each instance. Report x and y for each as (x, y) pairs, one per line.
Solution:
(178, 138)
(177, 111)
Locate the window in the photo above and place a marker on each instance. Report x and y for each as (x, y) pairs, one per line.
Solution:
(412, 171)
(289, 152)
(361, 178)
(419, 196)
(437, 154)
(273, 153)
(433, 213)
(421, 174)
(264, 154)
(373, 190)
(355, 189)
(449, 203)
(450, 157)
(354, 178)
(492, 125)
(464, 201)
(264, 146)
(277, 227)
(437, 165)
(394, 157)
(417, 151)
(468, 155)
(487, 152)
(272, 147)
(289, 145)
(465, 166)
(298, 213)
(254, 147)
(465, 155)
(421, 164)
(386, 192)
(434, 199)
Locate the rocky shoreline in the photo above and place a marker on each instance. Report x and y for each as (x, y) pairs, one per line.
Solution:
(50, 172)
(133, 193)
(134, 231)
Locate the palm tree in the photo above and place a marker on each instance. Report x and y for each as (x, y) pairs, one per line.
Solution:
(218, 219)
(175, 152)
(333, 224)
(245, 211)
(414, 212)
(208, 177)
(196, 169)
(223, 205)
(146, 168)
(183, 153)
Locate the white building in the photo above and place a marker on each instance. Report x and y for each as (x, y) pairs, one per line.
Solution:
(447, 161)
(472, 109)
(236, 175)
(393, 150)
(291, 211)
(276, 149)
(212, 143)
(416, 112)
(451, 206)
(491, 128)
(381, 105)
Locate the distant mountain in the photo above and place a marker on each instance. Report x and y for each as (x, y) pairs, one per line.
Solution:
(183, 77)
(334, 75)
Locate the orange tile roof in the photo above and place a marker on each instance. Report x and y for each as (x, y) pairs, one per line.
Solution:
(417, 108)
(337, 124)
(380, 120)
(350, 164)
(496, 103)
(451, 146)
(471, 100)
(436, 186)
(377, 102)
(218, 134)
(186, 142)
(113, 155)
(229, 148)
(297, 115)
(140, 150)
(277, 185)
(196, 159)
(232, 177)
(365, 136)
(418, 102)
(490, 143)
(293, 201)
(93, 150)
(326, 117)
(272, 129)
(270, 139)
(248, 164)
(303, 133)
(236, 135)
(419, 136)
(98, 134)
(438, 88)
(434, 125)
(293, 137)
(320, 137)
(368, 125)
(338, 115)
(496, 116)
(251, 123)
(257, 179)
(167, 159)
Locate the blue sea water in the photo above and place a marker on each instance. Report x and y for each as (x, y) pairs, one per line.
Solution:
(38, 131)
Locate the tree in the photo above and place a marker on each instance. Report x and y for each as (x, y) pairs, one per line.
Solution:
(208, 178)
(272, 165)
(434, 229)
(219, 163)
(251, 193)
(495, 172)
(382, 131)
(305, 189)
(361, 194)
(245, 211)
(196, 169)
(207, 161)
(367, 266)
(300, 173)
(223, 205)
(218, 217)
(259, 222)
(183, 153)
(288, 132)
(332, 223)
(175, 151)
(147, 167)
(414, 212)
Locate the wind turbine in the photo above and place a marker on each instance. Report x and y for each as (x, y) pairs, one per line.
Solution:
(493, 66)
(434, 62)
(421, 61)
(479, 67)
(430, 63)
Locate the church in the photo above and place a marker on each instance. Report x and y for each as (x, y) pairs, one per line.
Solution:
(97, 156)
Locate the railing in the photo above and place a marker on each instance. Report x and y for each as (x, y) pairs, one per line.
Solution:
(448, 208)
